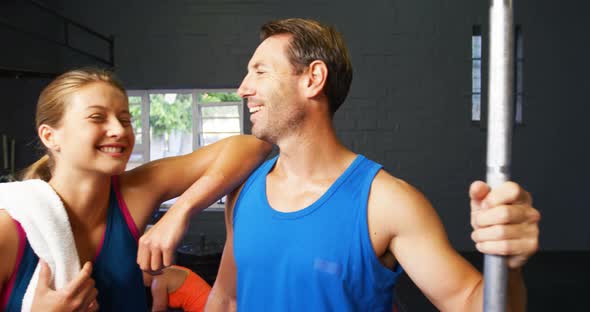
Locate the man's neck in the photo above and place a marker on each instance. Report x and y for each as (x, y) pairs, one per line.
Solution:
(313, 153)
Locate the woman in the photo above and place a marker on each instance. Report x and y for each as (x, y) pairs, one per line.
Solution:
(83, 121)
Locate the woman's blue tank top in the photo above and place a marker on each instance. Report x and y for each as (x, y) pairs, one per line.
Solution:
(117, 276)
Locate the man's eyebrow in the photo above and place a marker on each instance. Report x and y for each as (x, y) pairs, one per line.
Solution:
(256, 65)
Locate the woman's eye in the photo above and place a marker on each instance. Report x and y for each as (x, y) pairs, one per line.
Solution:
(125, 122)
(96, 117)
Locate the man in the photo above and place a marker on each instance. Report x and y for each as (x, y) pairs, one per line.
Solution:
(321, 228)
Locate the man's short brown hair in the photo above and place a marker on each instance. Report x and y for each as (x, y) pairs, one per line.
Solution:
(313, 41)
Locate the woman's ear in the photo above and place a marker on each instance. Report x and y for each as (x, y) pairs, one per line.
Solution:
(316, 75)
(48, 137)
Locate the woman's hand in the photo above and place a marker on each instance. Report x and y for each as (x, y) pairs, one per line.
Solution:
(157, 246)
(78, 295)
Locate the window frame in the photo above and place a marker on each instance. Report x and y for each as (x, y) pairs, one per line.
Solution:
(518, 93)
(197, 122)
(198, 129)
(476, 31)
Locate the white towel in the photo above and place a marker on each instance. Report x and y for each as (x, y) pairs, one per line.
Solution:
(43, 217)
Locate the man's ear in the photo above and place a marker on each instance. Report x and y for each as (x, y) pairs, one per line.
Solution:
(47, 134)
(315, 78)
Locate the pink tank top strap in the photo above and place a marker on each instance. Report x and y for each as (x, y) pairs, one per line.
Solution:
(128, 219)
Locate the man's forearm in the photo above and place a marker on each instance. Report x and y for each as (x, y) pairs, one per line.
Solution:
(219, 302)
(517, 294)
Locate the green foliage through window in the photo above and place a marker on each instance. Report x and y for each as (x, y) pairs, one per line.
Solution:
(135, 111)
(167, 117)
(209, 97)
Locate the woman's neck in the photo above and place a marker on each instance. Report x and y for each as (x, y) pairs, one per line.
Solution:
(84, 196)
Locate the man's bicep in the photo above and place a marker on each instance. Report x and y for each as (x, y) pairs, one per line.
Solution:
(223, 292)
(421, 246)
(226, 276)
(423, 250)
(446, 278)
(227, 268)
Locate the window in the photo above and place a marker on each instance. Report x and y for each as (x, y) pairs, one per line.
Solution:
(176, 122)
(220, 114)
(476, 74)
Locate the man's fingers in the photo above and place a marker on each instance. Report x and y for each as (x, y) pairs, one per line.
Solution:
(517, 261)
(507, 193)
(159, 294)
(522, 247)
(506, 214)
(504, 232)
(478, 190)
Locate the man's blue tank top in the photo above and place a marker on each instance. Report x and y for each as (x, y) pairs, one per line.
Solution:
(118, 279)
(319, 258)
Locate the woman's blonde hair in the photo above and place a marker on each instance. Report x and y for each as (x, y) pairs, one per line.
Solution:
(52, 104)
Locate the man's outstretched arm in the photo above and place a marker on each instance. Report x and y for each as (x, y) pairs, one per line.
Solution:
(420, 244)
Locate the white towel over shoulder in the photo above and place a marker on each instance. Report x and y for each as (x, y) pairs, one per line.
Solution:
(43, 217)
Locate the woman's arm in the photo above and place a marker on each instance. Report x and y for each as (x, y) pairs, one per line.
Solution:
(215, 169)
(78, 295)
(204, 176)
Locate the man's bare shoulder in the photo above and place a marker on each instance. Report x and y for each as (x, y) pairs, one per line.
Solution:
(387, 189)
(397, 202)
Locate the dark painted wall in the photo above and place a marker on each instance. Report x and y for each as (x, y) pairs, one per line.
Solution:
(16, 116)
(409, 106)
(23, 52)
(31, 51)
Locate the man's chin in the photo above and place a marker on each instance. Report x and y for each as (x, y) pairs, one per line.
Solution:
(261, 135)
(258, 134)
